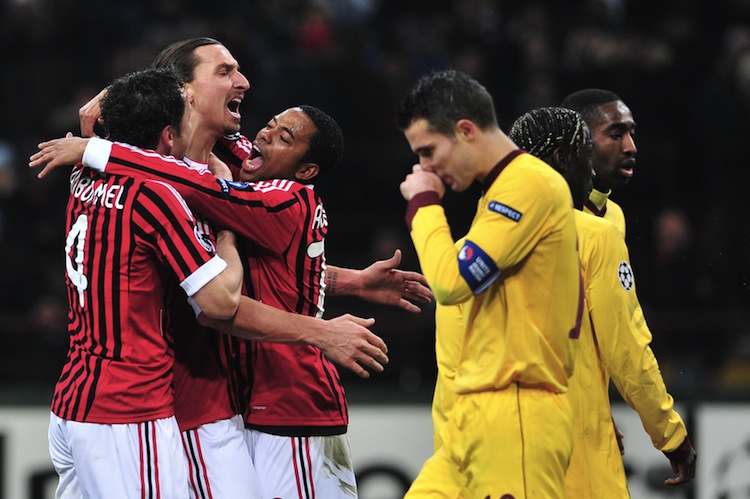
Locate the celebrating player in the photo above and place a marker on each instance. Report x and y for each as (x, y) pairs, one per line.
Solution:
(112, 429)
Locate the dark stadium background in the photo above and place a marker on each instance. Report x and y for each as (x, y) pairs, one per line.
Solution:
(682, 66)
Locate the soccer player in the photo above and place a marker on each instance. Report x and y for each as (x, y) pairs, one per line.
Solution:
(614, 341)
(216, 88)
(112, 428)
(297, 388)
(613, 133)
(213, 436)
(517, 278)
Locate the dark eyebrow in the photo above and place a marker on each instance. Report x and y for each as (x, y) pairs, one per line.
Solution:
(228, 67)
(288, 130)
(621, 126)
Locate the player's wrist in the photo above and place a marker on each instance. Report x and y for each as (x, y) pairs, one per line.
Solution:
(681, 454)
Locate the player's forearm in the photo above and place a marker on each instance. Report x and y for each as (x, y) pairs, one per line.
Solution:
(216, 299)
(342, 281)
(232, 276)
(641, 385)
(260, 322)
(438, 258)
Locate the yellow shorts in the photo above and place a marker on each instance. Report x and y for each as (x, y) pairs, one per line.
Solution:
(510, 444)
(442, 405)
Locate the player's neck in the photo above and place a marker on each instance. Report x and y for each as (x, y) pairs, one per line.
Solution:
(494, 146)
(201, 145)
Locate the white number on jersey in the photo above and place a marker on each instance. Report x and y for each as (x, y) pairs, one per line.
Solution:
(77, 237)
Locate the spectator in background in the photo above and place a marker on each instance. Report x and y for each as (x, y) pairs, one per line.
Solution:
(688, 52)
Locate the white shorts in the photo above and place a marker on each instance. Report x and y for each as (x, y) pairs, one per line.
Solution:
(118, 461)
(219, 464)
(303, 467)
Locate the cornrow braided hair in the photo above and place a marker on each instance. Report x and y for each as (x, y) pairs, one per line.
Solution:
(541, 130)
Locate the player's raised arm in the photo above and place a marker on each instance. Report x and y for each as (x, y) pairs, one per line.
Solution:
(54, 153)
(90, 114)
(381, 283)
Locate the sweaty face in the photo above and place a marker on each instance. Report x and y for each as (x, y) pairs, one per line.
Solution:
(613, 132)
(439, 154)
(217, 89)
(279, 146)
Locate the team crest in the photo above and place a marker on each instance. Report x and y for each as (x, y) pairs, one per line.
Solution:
(625, 275)
(202, 233)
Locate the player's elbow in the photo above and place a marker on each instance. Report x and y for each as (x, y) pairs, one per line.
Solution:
(221, 309)
(218, 302)
(445, 296)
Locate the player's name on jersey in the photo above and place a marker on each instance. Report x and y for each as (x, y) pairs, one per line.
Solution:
(89, 191)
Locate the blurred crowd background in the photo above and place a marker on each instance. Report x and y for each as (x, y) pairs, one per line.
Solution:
(682, 66)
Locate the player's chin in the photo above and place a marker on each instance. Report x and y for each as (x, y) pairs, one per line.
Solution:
(620, 181)
(457, 187)
(232, 127)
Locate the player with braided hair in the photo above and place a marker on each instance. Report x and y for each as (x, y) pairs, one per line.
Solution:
(551, 131)
(614, 341)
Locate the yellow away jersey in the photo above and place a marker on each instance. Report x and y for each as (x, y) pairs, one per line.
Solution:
(600, 205)
(614, 343)
(448, 338)
(516, 277)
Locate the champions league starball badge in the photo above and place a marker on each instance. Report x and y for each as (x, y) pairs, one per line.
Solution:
(625, 275)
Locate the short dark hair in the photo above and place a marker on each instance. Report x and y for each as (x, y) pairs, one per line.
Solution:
(541, 130)
(587, 102)
(181, 56)
(138, 106)
(445, 97)
(327, 144)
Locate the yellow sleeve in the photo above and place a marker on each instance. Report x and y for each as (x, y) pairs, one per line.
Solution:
(624, 338)
(508, 224)
(430, 229)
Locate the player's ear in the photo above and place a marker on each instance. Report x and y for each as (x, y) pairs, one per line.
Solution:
(168, 135)
(561, 159)
(190, 92)
(166, 140)
(466, 129)
(306, 171)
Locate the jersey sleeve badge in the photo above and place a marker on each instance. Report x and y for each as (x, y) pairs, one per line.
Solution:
(505, 210)
(625, 275)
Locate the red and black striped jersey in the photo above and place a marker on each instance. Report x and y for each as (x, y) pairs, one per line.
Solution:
(281, 227)
(125, 238)
(201, 393)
